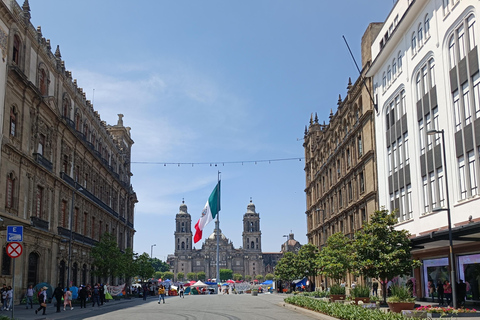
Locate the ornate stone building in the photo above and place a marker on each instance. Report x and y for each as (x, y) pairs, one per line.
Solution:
(246, 260)
(340, 165)
(64, 173)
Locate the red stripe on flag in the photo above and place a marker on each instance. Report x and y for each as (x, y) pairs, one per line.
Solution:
(198, 233)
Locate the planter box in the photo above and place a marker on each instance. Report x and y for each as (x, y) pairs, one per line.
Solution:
(454, 316)
(335, 297)
(397, 307)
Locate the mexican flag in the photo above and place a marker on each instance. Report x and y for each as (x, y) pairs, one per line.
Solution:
(209, 213)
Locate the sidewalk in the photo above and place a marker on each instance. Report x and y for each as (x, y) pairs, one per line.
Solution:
(20, 311)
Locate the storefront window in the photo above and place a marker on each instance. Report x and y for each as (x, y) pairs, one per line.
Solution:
(434, 270)
(469, 272)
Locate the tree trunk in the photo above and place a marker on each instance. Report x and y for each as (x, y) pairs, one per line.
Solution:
(384, 290)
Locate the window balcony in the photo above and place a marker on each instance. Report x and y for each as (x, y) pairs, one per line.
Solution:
(43, 161)
(39, 223)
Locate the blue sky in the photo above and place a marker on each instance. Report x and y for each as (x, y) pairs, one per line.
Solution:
(212, 81)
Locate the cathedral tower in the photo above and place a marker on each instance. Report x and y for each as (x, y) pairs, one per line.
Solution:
(252, 237)
(183, 231)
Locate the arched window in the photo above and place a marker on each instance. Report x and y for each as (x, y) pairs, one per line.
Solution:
(427, 26)
(33, 268)
(16, 49)
(418, 86)
(414, 43)
(66, 107)
(471, 31)
(6, 263)
(394, 67)
(183, 245)
(389, 75)
(252, 245)
(420, 35)
(384, 81)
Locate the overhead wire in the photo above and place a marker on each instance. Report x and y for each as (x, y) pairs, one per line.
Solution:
(217, 163)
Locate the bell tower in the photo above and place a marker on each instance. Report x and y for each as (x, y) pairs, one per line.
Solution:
(183, 231)
(252, 237)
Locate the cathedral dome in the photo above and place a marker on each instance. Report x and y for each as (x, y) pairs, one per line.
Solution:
(212, 236)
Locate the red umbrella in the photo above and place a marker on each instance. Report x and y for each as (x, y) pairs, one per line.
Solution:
(230, 281)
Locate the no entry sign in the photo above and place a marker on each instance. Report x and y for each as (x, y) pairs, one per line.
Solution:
(14, 249)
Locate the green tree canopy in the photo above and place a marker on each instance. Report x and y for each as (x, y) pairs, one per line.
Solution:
(107, 257)
(269, 276)
(160, 265)
(191, 276)
(145, 268)
(248, 277)
(286, 268)
(168, 275)
(158, 275)
(335, 259)
(259, 277)
(128, 267)
(180, 276)
(306, 262)
(201, 275)
(381, 251)
(237, 277)
(225, 274)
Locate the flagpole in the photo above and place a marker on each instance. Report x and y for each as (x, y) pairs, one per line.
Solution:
(217, 230)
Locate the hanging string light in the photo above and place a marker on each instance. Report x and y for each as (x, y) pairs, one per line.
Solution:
(215, 163)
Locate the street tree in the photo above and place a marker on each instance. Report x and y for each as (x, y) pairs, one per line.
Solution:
(381, 251)
(201, 276)
(307, 263)
(225, 274)
(168, 275)
(259, 277)
(180, 276)
(286, 269)
(237, 277)
(335, 259)
(160, 265)
(269, 276)
(248, 278)
(158, 275)
(107, 257)
(191, 276)
(145, 268)
(127, 266)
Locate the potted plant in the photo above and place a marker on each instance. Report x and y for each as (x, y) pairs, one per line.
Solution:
(337, 292)
(361, 293)
(401, 299)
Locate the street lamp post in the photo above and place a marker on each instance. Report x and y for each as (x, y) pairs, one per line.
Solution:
(151, 250)
(450, 237)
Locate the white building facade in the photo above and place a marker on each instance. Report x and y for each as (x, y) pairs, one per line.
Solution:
(425, 73)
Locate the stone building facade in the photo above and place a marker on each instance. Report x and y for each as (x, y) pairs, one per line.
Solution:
(64, 173)
(340, 162)
(246, 260)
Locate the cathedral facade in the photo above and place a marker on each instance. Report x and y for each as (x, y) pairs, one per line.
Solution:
(246, 260)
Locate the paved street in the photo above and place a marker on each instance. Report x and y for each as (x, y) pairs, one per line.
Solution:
(211, 307)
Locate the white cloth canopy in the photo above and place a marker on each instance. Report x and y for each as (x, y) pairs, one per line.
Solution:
(199, 284)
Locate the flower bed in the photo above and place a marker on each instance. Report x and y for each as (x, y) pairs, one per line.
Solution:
(342, 311)
(446, 312)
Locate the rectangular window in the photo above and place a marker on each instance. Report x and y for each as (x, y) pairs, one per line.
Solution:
(409, 201)
(85, 219)
(441, 187)
(403, 205)
(41, 144)
(422, 137)
(76, 219)
(461, 175)
(428, 121)
(476, 94)
(466, 104)
(451, 52)
(390, 159)
(400, 153)
(473, 173)
(395, 157)
(424, 80)
(456, 109)
(9, 192)
(407, 154)
(431, 62)
(64, 214)
(362, 182)
(436, 125)
(433, 193)
(461, 42)
(471, 31)
(426, 202)
(360, 146)
(92, 229)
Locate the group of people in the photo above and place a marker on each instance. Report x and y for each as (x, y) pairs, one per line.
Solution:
(444, 292)
(6, 296)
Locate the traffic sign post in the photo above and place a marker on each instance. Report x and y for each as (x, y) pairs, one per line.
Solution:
(15, 233)
(14, 249)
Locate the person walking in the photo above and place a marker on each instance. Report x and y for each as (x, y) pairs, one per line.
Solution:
(67, 299)
(375, 289)
(58, 294)
(161, 294)
(9, 297)
(82, 295)
(181, 291)
(42, 299)
(96, 295)
(101, 290)
(29, 296)
(144, 291)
